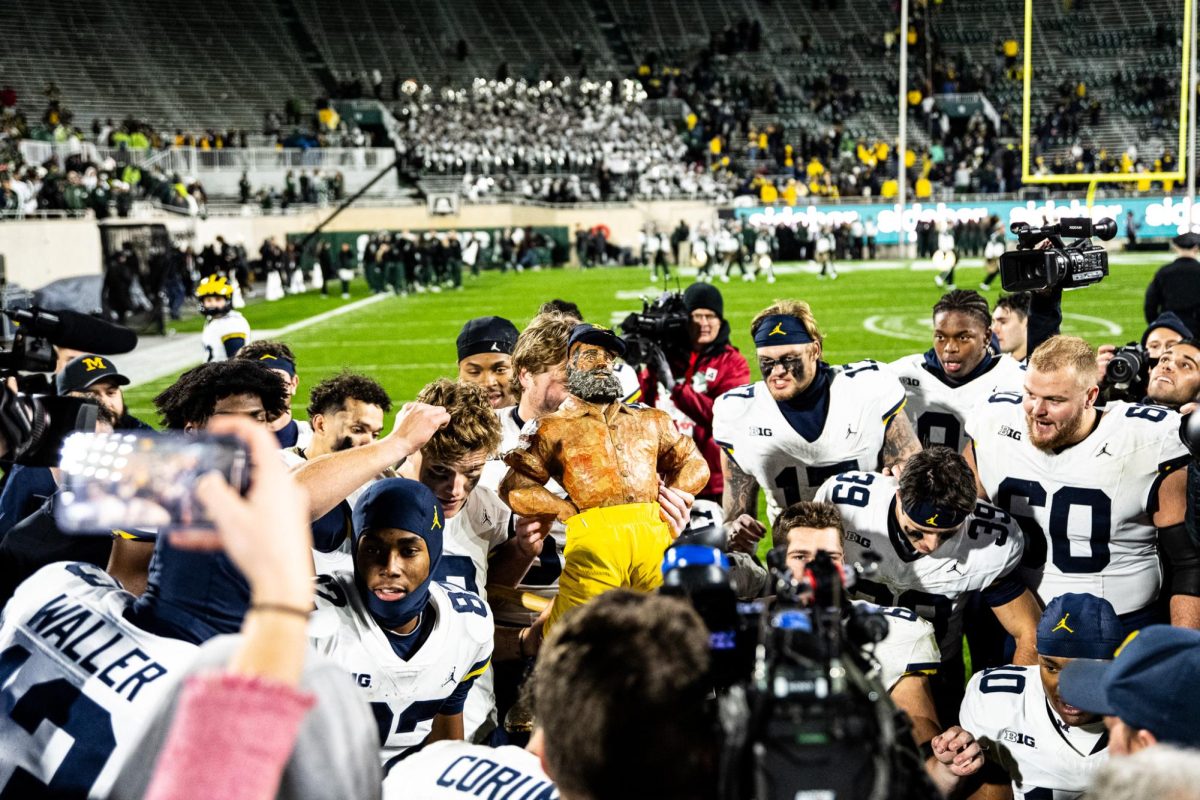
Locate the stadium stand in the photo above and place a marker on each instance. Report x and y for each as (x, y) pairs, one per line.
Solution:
(745, 98)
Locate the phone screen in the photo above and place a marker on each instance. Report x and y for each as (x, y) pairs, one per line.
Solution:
(143, 480)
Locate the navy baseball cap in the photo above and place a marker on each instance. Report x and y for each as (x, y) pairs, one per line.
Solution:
(1079, 626)
(486, 335)
(1148, 684)
(83, 371)
(597, 335)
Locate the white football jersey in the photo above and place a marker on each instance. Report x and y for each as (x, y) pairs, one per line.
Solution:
(78, 682)
(747, 423)
(937, 585)
(542, 578)
(910, 646)
(626, 375)
(405, 695)
(448, 770)
(480, 526)
(1087, 511)
(219, 330)
(938, 411)
(1007, 711)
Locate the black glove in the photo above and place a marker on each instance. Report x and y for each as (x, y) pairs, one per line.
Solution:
(658, 365)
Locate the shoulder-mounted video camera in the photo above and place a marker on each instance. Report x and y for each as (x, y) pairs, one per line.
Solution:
(662, 322)
(799, 709)
(34, 420)
(1059, 266)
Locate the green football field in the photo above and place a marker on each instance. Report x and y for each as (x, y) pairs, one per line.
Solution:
(874, 310)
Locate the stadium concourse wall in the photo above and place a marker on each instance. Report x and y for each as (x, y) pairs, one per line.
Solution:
(1158, 217)
(43, 250)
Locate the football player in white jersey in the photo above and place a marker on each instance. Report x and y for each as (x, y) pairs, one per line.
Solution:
(803, 423)
(346, 411)
(279, 358)
(449, 770)
(70, 663)
(937, 545)
(945, 382)
(80, 656)
(1047, 748)
(225, 330)
(477, 546)
(1099, 495)
(485, 346)
(539, 361)
(413, 644)
(1010, 324)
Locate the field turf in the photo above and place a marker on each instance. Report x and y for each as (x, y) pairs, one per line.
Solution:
(868, 312)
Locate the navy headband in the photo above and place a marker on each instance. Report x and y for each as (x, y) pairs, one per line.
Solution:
(275, 362)
(781, 329)
(931, 515)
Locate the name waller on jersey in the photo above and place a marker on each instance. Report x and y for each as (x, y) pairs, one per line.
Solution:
(98, 648)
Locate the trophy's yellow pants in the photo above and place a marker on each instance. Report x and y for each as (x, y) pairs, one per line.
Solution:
(608, 548)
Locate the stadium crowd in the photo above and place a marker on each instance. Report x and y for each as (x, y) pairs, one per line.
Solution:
(478, 581)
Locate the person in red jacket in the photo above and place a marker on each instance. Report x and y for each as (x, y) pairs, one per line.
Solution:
(685, 384)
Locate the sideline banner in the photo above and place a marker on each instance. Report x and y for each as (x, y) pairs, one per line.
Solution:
(1157, 217)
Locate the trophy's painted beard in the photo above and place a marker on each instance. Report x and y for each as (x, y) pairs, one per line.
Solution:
(595, 386)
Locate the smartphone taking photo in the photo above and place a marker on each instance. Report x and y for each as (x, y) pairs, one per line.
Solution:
(143, 479)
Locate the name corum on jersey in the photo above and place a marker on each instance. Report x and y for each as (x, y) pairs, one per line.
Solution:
(1016, 737)
(1009, 432)
(756, 431)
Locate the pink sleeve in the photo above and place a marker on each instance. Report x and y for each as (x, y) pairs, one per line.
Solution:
(231, 738)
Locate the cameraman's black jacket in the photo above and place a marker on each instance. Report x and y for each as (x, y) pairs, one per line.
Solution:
(1176, 287)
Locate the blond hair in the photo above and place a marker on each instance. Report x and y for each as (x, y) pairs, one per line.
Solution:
(791, 308)
(541, 346)
(473, 424)
(1066, 352)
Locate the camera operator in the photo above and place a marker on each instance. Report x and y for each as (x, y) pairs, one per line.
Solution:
(906, 656)
(696, 378)
(88, 375)
(1125, 372)
(651, 736)
(1176, 287)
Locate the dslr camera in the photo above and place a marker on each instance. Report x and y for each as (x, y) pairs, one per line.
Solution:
(798, 706)
(1128, 374)
(34, 420)
(662, 323)
(1031, 268)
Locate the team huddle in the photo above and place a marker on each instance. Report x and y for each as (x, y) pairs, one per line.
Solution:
(997, 502)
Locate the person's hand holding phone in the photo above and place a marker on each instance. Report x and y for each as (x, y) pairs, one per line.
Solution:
(266, 532)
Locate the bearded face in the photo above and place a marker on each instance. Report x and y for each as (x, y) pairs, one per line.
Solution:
(590, 374)
(596, 385)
